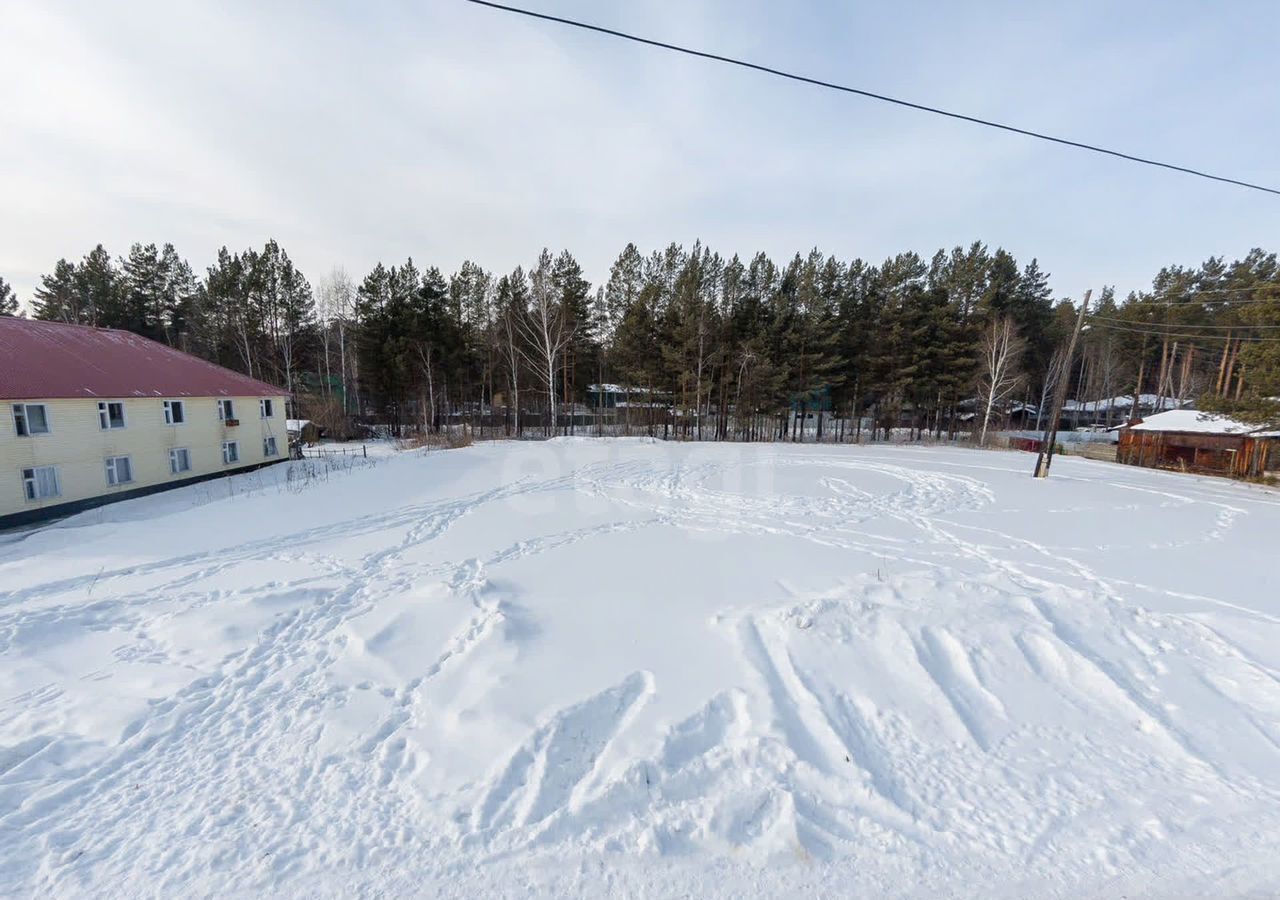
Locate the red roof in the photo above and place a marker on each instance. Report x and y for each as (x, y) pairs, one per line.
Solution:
(49, 360)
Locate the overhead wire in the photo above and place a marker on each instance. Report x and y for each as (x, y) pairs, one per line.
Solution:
(872, 95)
(1182, 335)
(1209, 325)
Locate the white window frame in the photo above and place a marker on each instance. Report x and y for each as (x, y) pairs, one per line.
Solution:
(234, 447)
(104, 415)
(266, 408)
(113, 470)
(169, 407)
(226, 409)
(275, 448)
(31, 483)
(175, 454)
(24, 430)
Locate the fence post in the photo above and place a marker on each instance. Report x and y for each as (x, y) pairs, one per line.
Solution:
(364, 451)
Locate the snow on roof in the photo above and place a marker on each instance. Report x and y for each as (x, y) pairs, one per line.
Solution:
(1193, 421)
(296, 424)
(1124, 401)
(615, 389)
(54, 360)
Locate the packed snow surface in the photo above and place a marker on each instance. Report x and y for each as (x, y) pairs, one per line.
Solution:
(623, 667)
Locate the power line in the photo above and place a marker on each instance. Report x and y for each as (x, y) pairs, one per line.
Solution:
(1175, 302)
(1183, 335)
(1161, 296)
(768, 70)
(1235, 290)
(1155, 299)
(1210, 325)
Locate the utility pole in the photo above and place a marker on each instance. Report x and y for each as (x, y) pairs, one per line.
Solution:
(1044, 458)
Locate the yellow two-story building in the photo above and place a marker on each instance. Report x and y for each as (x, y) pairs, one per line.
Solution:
(96, 415)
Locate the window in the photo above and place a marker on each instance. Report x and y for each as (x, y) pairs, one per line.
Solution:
(179, 460)
(30, 418)
(175, 413)
(226, 410)
(118, 470)
(265, 408)
(40, 482)
(110, 415)
(268, 446)
(230, 452)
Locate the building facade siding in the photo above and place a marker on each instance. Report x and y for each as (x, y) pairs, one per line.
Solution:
(79, 447)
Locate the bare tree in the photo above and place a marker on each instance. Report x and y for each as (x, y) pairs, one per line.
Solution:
(429, 406)
(547, 331)
(1107, 368)
(335, 302)
(1001, 373)
(511, 352)
(1056, 371)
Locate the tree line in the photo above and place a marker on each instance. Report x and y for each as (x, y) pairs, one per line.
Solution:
(693, 342)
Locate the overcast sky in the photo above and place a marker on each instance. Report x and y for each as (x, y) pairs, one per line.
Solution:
(445, 131)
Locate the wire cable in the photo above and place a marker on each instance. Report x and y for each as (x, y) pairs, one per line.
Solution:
(1210, 325)
(768, 70)
(1243, 338)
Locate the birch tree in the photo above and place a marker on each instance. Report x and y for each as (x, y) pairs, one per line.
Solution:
(1000, 358)
(335, 305)
(546, 329)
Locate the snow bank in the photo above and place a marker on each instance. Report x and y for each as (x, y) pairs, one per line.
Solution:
(588, 668)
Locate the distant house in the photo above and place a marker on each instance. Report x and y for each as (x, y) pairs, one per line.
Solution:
(618, 396)
(303, 430)
(815, 401)
(1201, 442)
(1016, 415)
(96, 415)
(1114, 410)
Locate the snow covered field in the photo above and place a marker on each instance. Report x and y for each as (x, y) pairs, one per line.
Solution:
(595, 667)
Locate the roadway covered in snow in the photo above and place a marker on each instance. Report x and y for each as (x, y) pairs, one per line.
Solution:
(581, 667)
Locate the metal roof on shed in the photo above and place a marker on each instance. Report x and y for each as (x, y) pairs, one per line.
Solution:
(54, 360)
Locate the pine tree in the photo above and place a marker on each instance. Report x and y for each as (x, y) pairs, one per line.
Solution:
(626, 278)
(143, 307)
(231, 333)
(281, 301)
(180, 299)
(580, 356)
(1033, 315)
(101, 288)
(58, 299)
(381, 382)
(8, 299)
(471, 292)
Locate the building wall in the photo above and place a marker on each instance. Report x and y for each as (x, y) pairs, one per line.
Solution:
(79, 447)
(1240, 456)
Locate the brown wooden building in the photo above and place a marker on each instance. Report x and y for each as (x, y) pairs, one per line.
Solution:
(1192, 441)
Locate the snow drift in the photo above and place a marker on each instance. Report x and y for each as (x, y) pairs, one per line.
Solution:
(583, 667)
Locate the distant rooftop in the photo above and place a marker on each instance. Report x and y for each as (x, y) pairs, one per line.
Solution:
(1124, 401)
